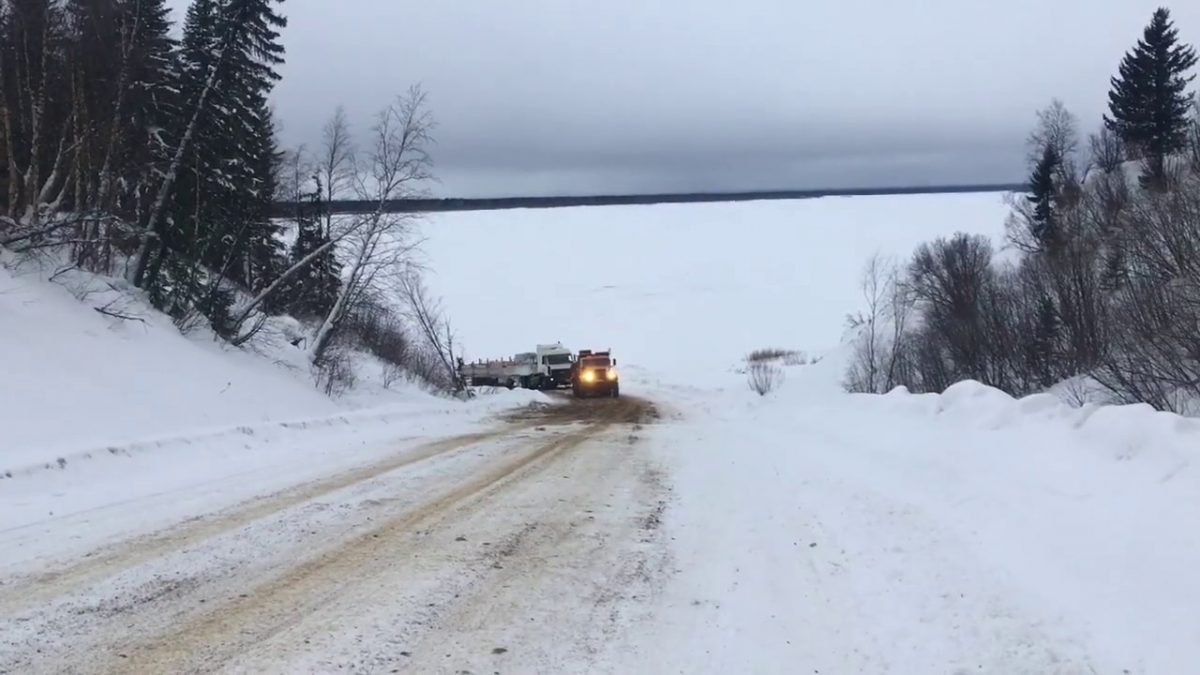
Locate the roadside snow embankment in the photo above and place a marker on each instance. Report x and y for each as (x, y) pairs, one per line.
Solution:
(76, 379)
(82, 384)
(931, 533)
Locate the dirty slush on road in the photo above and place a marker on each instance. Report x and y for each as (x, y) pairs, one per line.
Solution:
(531, 545)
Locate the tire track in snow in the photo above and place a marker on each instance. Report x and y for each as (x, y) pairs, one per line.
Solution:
(207, 640)
(574, 542)
(22, 593)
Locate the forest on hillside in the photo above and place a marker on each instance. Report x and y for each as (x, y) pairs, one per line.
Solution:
(131, 153)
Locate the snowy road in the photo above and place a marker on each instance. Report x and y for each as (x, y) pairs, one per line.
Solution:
(534, 543)
(710, 531)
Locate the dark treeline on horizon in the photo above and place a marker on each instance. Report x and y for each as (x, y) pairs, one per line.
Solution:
(349, 206)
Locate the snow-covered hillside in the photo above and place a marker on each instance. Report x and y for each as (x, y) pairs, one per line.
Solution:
(76, 379)
(80, 383)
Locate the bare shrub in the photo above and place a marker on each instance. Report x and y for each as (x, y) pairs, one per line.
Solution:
(956, 315)
(1154, 351)
(789, 357)
(1194, 137)
(760, 355)
(1105, 289)
(796, 358)
(970, 312)
(392, 374)
(335, 371)
(1108, 152)
(380, 332)
(403, 349)
(764, 377)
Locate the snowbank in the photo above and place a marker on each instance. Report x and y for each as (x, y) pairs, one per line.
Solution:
(962, 532)
(78, 383)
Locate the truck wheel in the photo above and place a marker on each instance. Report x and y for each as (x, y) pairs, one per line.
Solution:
(616, 391)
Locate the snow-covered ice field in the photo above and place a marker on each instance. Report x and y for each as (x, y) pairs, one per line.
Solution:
(805, 531)
(681, 289)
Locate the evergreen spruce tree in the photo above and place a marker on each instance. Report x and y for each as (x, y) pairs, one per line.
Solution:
(1042, 194)
(1042, 350)
(151, 103)
(1194, 138)
(220, 209)
(263, 258)
(314, 290)
(1149, 103)
(178, 233)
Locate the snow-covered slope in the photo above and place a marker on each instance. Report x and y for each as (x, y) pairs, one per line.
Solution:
(77, 379)
(77, 383)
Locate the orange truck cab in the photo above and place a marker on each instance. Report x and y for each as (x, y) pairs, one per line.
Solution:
(595, 374)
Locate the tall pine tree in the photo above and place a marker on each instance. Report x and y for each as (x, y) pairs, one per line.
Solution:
(1149, 103)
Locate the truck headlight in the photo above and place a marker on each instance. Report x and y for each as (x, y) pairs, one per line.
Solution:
(589, 376)
(612, 373)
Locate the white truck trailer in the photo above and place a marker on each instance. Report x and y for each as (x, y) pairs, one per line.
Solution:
(548, 366)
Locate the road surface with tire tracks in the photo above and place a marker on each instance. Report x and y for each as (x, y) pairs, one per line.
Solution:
(529, 546)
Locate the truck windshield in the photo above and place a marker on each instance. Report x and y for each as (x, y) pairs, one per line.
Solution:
(596, 362)
(557, 359)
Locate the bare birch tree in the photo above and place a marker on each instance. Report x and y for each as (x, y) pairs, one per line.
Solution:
(880, 328)
(336, 163)
(1056, 128)
(378, 251)
(433, 327)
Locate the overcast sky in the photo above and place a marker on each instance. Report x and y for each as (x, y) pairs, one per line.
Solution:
(538, 97)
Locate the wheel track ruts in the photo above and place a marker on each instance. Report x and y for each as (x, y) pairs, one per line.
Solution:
(22, 593)
(207, 640)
